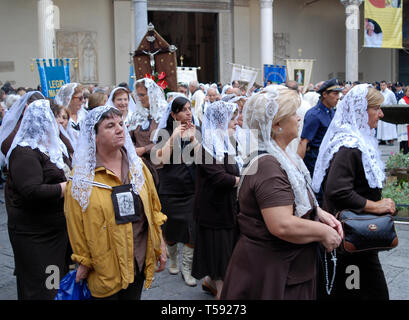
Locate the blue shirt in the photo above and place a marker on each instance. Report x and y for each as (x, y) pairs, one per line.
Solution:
(316, 123)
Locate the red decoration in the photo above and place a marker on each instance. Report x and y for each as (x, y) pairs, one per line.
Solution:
(159, 80)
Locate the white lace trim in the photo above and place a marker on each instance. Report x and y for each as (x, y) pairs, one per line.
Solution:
(350, 129)
(39, 130)
(214, 129)
(10, 120)
(84, 160)
(64, 94)
(298, 175)
(157, 105)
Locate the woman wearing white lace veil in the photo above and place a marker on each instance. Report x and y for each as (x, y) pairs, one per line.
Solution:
(150, 105)
(113, 215)
(174, 152)
(122, 99)
(243, 136)
(12, 119)
(217, 177)
(38, 166)
(71, 97)
(279, 220)
(351, 171)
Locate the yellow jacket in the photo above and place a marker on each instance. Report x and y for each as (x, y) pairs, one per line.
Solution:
(105, 247)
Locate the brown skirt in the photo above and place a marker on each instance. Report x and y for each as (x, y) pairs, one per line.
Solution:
(262, 271)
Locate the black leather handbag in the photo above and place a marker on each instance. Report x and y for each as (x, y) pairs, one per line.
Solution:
(367, 232)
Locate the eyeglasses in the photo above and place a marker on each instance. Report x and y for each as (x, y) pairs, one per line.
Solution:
(81, 98)
(141, 95)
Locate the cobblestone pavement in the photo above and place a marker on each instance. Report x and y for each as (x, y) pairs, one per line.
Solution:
(395, 264)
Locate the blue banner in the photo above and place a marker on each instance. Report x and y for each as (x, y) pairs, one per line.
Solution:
(53, 76)
(274, 73)
(131, 76)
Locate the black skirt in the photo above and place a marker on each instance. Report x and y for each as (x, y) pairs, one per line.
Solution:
(180, 226)
(213, 249)
(39, 256)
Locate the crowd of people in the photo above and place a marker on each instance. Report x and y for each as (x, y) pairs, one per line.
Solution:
(113, 182)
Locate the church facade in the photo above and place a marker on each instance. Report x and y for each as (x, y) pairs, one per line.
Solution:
(210, 34)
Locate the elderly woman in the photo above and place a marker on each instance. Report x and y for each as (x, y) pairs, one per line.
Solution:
(351, 171)
(279, 220)
(217, 177)
(121, 98)
(150, 107)
(174, 151)
(113, 211)
(38, 166)
(71, 97)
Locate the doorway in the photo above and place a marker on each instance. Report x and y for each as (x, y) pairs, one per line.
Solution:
(195, 34)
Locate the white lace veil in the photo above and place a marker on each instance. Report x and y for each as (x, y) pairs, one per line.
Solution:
(350, 129)
(84, 160)
(131, 103)
(11, 118)
(258, 114)
(64, 95)
(39, 129)
(227, 86)
(215, 137)
(157, 104)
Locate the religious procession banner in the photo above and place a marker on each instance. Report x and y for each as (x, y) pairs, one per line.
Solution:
(274, 73)
(300, 70)
(246, 76)
(383, 24)
(131, 77)
(53, 75)
(186, 74)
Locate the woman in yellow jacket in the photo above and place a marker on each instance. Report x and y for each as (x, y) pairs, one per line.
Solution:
(113, 211)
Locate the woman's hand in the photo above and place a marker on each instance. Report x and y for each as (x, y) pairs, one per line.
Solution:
(178, 132)
(331, 221)
(140, 151)
(331, 240)
(380, 207)
(190, 132)
(82, 273)
(163, 257)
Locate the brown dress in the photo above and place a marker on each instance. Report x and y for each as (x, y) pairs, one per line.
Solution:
(263, 266)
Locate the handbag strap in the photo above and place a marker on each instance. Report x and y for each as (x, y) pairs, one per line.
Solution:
(247, 169)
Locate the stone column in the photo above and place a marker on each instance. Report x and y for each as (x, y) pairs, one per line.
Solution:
(266, 32)
(352, 27)
(140, 16)
(46, 32)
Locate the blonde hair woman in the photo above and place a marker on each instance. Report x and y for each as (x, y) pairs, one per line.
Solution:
(279, 220)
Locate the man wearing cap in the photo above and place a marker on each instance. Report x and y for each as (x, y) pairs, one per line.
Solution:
(399, 91)
(317, 121)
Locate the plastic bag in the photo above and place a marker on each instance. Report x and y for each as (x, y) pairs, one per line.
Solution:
(70, 290)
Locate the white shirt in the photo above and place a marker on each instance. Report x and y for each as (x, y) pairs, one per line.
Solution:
(373, 41)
